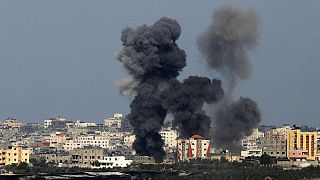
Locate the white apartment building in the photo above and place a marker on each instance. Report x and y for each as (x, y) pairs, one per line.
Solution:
(113, 162)
(250, 153)
(80, 124)
(195, 147)
(87, 140)
(114, 122)
(170, 137)
(47, 123)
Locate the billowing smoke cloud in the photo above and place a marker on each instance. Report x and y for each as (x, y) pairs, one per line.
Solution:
(225, 46)
(152, 58)
(235, 121)
(185, 101)
(153, 61)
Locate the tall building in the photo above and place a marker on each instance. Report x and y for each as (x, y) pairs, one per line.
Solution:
(302, 145)
(114, 122)
(170, 137)
(275, 142)
(14, 155)
(195, 147)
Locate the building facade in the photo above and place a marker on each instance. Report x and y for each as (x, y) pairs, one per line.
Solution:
(114, 122)
(302, 145)
(275, 142)
(195, 147)
(14, 155)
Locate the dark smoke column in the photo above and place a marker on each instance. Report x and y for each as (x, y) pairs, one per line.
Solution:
(224, 45)
(152, 58)
(184, 100)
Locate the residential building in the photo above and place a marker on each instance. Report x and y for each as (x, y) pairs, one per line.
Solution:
(253, 142)
(128, 139)
(86, 157)
(302, 145)
(114, 122)
(12, 123)
(87, 140)
(170, 137)
(80, 124)
(195, 147)
(251, 153)
(275, 142)
(14, 155)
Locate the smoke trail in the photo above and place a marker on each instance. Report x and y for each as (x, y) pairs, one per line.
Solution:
(185, 101)
(225, 46)
(152, 58)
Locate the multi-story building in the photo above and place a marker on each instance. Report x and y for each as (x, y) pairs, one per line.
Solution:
(128, 139)
(195, 147)
(114, 122)
(275, 142)
(14, 155)
(87, 140)
(12, 123)
(302, 145)
(253, 142)
(86, 157)
(169, 136)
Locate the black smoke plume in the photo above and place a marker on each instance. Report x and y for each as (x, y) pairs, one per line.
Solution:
(153, 60)
(185, 101)
(225, 45)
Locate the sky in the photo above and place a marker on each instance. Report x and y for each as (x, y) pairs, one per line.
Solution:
(58, 57)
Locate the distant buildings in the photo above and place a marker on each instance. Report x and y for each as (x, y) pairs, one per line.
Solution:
(170, 137)
(114, 122)
(196, 147)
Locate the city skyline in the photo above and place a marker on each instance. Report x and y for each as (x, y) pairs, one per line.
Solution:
(58, 57)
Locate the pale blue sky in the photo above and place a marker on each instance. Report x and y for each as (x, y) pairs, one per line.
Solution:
(57, 57)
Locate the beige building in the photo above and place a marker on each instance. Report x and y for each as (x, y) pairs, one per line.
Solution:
(86, 157)
(195, 147)
(114, 122)
(128, 139)
(80, 124)
(170, 137)
(14, 155)
(13, 123)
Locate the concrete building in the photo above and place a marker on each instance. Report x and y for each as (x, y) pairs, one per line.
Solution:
(253, 142)
(128, 139)
(170, 137)
(86, 157)
(12, 123)
(113, 162)
(14, 155)
(80, 124)
(195, 147)
(302, 145)
(114, 122)
(251, 153)
(87, 140)
(275, 142)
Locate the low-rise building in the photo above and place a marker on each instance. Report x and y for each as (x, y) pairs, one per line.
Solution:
(12, 123)
(113, 162)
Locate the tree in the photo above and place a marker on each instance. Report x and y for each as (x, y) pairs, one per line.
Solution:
(266, 160)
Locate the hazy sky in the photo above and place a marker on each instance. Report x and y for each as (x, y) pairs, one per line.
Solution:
(57, 57)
